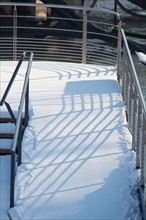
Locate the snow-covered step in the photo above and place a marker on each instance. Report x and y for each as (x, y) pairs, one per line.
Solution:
(4, 111)
(6, 136)
(5, 146)
(8, 128)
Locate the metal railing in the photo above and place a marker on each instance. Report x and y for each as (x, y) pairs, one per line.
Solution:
(18, 135)
(54, 37)
(82, 39)
(136, 114)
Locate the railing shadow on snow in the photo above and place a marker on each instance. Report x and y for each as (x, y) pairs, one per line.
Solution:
(84, 48)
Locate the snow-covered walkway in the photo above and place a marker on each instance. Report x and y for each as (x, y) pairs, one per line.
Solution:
(77, 161)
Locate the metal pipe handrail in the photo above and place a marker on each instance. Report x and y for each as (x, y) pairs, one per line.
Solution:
(136, 115)
(18, 130)
(134, 72)
(82, 8)
(18, 121)
(84, 29)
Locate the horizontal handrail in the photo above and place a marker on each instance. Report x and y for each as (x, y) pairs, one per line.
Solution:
(82, 8)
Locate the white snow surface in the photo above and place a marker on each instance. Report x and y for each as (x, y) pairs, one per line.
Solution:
(77, 161)
(4, 186)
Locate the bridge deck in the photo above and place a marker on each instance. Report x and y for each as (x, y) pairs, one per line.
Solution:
(76, 160)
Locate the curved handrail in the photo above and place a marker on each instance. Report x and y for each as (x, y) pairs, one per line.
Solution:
(82, 8)
(80, 27)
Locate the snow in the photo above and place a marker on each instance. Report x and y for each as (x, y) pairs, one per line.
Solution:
(4, 185)
(77, 161)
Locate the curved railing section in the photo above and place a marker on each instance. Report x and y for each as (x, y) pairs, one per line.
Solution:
(71, 36)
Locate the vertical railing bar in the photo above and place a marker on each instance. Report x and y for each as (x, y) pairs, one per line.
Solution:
(26, 117)
(135, 121)
(145, 175)
(84, 36)
(115, 9)
(15, 34)
(12, 179)
(119, 49)
(19, 143)
(143, 150)
(138, 134)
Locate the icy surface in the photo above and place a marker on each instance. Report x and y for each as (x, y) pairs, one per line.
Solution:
(77, 161)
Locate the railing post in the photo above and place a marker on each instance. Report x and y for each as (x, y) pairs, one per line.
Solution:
(139, 136)
(84, 38)
(143, 175)
(15, 33)
(115, 9)
(19, 143)
(12, 179)
(26, 106)
(119, 49)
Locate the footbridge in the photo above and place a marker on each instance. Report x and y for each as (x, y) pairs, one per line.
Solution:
(73, 123)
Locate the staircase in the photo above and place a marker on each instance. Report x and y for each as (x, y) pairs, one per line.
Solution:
(7, 129)
(12, 125)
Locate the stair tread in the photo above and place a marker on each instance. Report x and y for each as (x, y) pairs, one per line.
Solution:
(7, 127)
(6, 135)
(5, 151)
(7, 120)
(5, 143)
